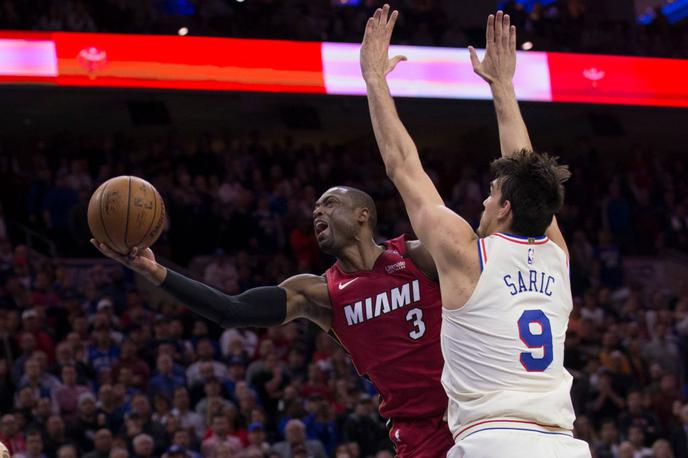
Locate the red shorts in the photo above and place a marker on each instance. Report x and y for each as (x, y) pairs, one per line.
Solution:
(421, 438)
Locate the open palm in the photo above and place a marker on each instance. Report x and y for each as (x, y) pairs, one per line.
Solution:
(499, 62)
(375, 61)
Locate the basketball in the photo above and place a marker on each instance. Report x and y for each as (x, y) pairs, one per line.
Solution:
(126, 212)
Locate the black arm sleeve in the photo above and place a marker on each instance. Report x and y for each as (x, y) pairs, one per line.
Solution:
(263, 307)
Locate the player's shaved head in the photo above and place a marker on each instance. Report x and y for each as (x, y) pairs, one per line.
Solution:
(358, 199)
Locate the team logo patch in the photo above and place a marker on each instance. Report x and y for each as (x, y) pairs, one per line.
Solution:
(396, 267)
(531, 256)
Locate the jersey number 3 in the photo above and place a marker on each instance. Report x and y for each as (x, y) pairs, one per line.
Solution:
(416, 315)
(541, 340)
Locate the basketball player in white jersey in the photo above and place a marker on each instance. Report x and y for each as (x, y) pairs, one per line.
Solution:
(506, 293)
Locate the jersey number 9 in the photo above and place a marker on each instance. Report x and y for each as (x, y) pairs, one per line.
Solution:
(542, 340)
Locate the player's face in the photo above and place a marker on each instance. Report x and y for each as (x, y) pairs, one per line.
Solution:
(490, 217)
(334, 221)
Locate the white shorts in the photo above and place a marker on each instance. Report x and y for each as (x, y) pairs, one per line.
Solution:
(518, 443)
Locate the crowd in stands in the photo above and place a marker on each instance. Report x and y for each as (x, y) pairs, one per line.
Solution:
(92, 366)
(565, 25)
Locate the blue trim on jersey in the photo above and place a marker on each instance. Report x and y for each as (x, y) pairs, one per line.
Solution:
(521, 429)
(523, 237)
(480, 255)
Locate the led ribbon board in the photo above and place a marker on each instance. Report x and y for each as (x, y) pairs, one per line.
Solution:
(226, 64)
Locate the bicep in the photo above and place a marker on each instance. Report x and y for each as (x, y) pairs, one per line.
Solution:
(307, 297)
(442, 232)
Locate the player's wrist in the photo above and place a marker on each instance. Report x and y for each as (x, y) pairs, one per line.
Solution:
(156, 274)
(374, 78)
(502, 86)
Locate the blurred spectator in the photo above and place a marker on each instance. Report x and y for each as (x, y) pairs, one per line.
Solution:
(204, 355)
(190, 420)
(102, 444)
(636, 437)
(128, 358)
(67, 395)
(221, 436)
(296, 442)
(361, 427)
(55, 435)
(84, 428)
(165, 382)
(144, 446)
(10, 434)
(219, 271)
(34, 446)
(67, 451)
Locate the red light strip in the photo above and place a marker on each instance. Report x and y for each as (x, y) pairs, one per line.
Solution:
(225, 64)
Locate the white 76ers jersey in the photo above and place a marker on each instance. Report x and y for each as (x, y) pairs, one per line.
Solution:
(504, 349)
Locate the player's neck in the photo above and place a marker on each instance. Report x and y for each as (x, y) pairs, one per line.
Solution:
(360, 256)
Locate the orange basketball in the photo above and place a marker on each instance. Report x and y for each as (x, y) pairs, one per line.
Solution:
(125, 212)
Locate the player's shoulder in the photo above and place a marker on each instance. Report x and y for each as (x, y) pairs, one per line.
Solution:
(421, 257)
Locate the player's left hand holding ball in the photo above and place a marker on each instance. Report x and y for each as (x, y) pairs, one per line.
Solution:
(140, 261)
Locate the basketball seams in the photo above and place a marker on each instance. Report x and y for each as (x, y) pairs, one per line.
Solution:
(126, 221)
(102, 220)
(155, 210)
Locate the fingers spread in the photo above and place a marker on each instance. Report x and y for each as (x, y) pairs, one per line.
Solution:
(392, 20)
(385, 14)
(377, 16)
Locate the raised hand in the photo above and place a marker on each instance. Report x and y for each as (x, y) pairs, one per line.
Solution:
(375, 61)
(140, 261)
(499, 62)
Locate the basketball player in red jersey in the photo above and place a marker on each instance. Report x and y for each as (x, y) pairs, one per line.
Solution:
(381, 302)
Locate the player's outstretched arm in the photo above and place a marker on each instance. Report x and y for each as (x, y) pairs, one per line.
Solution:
(435, 225)
(498, 68)
(301, 296)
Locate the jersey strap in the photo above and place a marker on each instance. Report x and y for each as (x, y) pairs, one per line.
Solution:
(482, 253)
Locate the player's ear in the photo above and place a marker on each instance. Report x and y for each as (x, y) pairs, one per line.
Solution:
(363, 215)
(504, 210)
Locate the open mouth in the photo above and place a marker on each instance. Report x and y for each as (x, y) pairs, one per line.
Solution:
(320, 227)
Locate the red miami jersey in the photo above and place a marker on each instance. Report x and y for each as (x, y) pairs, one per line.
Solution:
(389, 320)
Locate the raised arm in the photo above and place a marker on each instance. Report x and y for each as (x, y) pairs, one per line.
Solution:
(301, 296)
(498, 68)
(434, 224)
